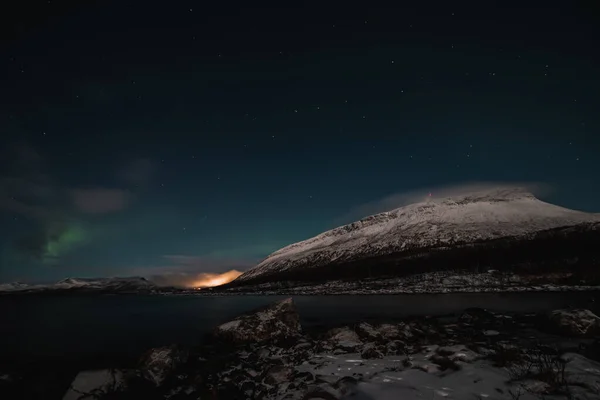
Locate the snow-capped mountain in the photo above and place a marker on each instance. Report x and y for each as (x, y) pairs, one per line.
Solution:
(117, 284)
(418, 230)
(13, 286)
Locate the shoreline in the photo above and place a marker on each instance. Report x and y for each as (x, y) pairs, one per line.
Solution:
(266, 354)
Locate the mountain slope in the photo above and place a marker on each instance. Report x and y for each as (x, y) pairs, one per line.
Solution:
(419, 229)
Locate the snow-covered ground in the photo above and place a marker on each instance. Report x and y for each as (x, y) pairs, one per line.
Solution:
(475, 378)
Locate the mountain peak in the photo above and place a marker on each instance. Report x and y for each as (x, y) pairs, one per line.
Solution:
(495, 194)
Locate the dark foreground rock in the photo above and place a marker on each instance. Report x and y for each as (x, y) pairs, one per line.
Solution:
(577, 322)
(276, 321)
(478, 354)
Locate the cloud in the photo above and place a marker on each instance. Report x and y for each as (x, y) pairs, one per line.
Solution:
(195, 271)
(397, 200)
(138, 172)
(24, 188)
(100, 200)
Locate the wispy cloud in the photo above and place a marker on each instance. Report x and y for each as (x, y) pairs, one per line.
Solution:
(100, 200)
(401, 199)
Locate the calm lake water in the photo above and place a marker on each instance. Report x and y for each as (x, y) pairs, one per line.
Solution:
(126, 325)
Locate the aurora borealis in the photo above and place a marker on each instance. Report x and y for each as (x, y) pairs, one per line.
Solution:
(199, 139)
(64, 242)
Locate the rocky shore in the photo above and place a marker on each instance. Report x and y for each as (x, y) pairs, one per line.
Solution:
(266, 354)
(429, 282)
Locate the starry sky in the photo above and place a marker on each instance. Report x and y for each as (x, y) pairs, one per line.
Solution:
(170, 139)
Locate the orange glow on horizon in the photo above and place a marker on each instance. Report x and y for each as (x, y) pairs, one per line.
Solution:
(212, 280)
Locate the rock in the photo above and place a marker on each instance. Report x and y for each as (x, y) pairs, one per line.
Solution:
(370, 350)
(263, 353)
(158, 363)
(278, 374)
(405, 331)
(367, 331)
(458, 353)
(91, 385)
(276, 321)
(304, 346)
(346, 385)
(389, 331)
(344, 338)
(535, 386)
(444, 362)
(322, 391)
(491, 333)
(305, 376)
(578, 322)
(429, 368)
(395, 347)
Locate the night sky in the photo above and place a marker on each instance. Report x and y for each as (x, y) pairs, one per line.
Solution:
(171, 138)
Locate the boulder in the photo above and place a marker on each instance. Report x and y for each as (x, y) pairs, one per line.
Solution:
(368, 332)
(395, 347)
(98, 384)
(158, 363)
(389, 331)
(371, 351)
(576, 322)
(279, 320)
(344, 338)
